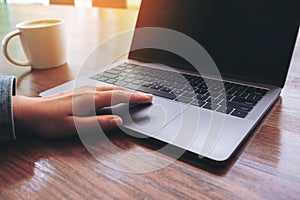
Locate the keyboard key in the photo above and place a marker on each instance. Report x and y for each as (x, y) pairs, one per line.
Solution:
(131, 75)
(258, 91)
(254, 97)
(109, 75)
(128, 80)
(239, 113)
(138, 82)
(132, 86)
(100, 78)
(202, 86)
(179, 86)
(113, 71)
(111, 81)
(165, 89)
(210, 106)
(195, 83)
(177, 92)
(168, 84)
(147, 85)
(244, 95)
(243, 101)
(198, 103)
(217, 89)
(229, 97)
(239, 106)
(189, 94)
(215, 100)
(156, 87)
(181, 80)
(130, 66)
(214, 94)
(189, 88)
(184, 99)
(156, 92)
(121, 83)
(223, 109)
(202, 97)
(200, 91)
(240, 88)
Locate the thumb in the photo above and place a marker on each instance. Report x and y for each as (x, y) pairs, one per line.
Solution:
(109, 121)
(106, 122)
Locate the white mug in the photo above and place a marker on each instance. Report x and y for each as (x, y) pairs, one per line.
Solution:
(43, 42)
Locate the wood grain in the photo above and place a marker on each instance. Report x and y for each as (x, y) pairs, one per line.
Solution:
(267, 166)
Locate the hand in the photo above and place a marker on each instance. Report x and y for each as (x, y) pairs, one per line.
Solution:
(54, 116)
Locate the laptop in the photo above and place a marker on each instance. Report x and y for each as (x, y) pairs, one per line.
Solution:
(250, 42)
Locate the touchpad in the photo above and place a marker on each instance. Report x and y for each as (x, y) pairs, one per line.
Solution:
(147, 118)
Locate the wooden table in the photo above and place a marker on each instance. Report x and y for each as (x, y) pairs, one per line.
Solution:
(266, 167)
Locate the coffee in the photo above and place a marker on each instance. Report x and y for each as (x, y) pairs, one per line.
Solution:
(39, 24)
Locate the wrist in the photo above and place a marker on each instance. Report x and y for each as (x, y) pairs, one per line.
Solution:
(21, 115)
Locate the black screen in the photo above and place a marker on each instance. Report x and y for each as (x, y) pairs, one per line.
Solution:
(248, 40)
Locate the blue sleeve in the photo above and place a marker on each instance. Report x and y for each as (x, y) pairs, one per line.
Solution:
(7, 90)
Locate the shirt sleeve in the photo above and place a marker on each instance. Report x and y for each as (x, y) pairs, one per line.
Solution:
(7, 90)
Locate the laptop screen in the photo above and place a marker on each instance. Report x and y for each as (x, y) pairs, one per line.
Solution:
(248, 40)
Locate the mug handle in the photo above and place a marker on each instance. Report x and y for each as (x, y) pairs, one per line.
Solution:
(5, 42)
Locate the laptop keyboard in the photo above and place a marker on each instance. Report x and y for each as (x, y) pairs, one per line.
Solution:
(225, 97)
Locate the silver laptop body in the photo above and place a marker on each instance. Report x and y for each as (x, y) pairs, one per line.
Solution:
(207, 132)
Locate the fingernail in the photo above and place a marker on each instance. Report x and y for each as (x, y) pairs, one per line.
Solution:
(116, 121)
(148, 96)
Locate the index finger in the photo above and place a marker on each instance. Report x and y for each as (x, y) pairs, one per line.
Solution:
(113, 97)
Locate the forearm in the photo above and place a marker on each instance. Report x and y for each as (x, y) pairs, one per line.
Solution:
(7, 90)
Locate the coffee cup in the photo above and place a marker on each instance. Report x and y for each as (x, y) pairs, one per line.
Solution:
(43, 42)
